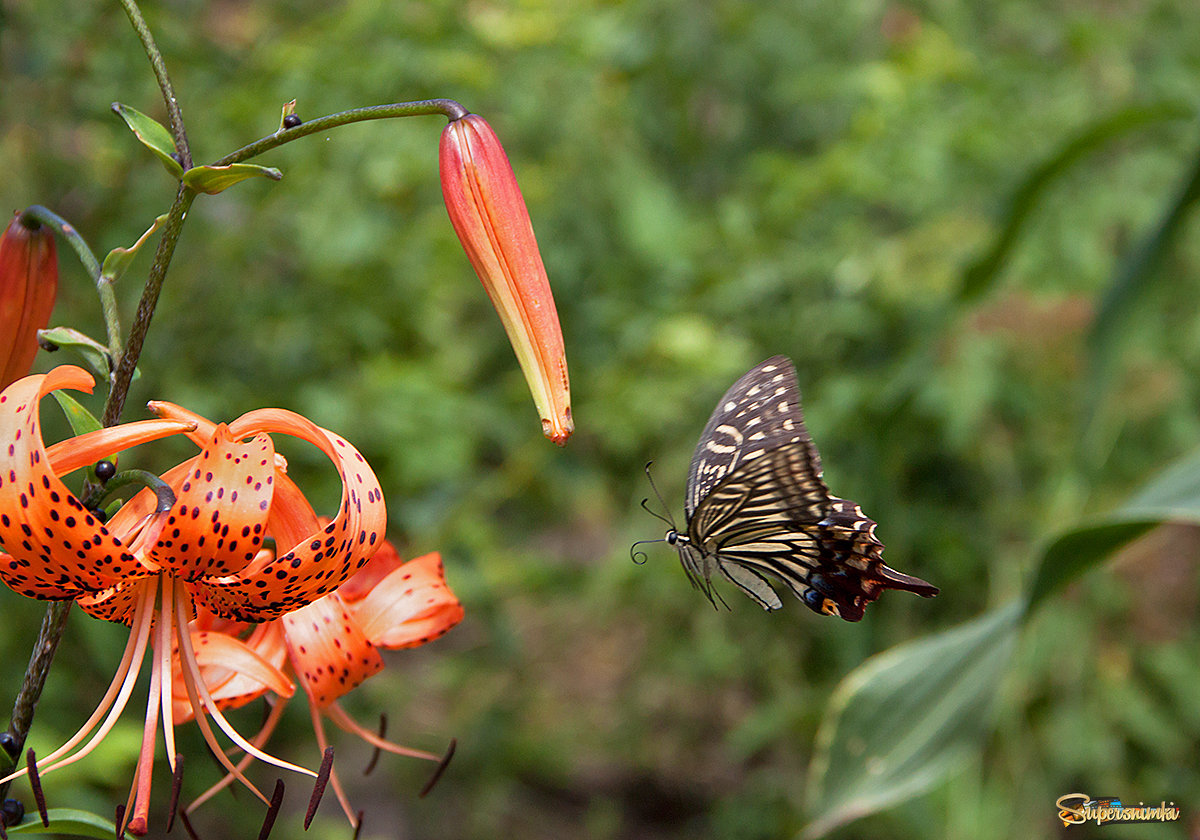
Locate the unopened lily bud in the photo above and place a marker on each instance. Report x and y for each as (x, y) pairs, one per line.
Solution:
(28, 286)
(492, 222)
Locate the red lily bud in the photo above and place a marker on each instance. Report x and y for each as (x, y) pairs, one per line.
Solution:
(28, 285)
(490, 218)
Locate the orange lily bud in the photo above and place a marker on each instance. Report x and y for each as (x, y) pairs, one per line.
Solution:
(28, 285)
(490, 218)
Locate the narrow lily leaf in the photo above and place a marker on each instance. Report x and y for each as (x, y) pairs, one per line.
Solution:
(1172, 496)
(153, 134)
(93, 352)
(68, 822)
(905, 718)
(214, 179)
(82, 421)
(980, 275)
(1135, 279)
(118, 259)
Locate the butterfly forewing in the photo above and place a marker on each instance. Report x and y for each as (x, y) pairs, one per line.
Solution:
(760, 412)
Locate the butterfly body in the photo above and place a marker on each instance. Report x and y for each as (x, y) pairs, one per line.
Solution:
(757, 505)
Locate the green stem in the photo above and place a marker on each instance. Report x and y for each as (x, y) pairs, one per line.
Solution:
(123, 374)
(36, 215)
(174, 114)
(108, 301)
(447, 107)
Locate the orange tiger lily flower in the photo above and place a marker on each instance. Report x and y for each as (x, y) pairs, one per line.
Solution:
(489, 215)
(28, 286)
(149, 567)
(332, 644)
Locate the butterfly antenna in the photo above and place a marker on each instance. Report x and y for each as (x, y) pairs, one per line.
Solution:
(670, 520)
(639, 557)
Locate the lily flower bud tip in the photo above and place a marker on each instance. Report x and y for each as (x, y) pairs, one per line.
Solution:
(492, 222)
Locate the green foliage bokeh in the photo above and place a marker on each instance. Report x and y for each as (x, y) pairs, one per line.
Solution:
(711, 183)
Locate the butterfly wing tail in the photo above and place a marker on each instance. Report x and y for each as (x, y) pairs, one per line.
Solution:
(889, 578)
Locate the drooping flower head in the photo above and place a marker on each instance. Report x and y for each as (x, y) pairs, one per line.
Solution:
(152, 564)
(489, 215)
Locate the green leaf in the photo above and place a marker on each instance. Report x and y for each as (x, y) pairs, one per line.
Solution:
(1172, 496)
(1135, 277)
(214, 179)
(118, 259)
(905, 718)
(82, 421)
(980, 275)
(94, 354)
(68, 822)
(153, 134)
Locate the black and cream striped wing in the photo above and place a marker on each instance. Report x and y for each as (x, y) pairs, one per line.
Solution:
(759, 413)
(766, 518)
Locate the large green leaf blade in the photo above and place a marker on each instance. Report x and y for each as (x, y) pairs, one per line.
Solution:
(1171, 496)
(67, 822)
(906, 717)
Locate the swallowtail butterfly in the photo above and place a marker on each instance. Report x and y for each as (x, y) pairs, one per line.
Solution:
(757, 505)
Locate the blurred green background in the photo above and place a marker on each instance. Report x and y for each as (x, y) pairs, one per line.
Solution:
(711, 183)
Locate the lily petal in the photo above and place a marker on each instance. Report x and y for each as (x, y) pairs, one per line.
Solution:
(328, 649)
(219, 520)
(410, 606)
(56, 548)
(235, 671)
(323, 560)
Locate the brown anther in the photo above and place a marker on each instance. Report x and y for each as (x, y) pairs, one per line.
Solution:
(176, 784)
(319, 787)
(36, 783)
(119, 822)
(375, 755)
(441, 768)
(272, 810)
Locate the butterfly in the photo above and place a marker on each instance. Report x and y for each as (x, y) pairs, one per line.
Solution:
(757, 505)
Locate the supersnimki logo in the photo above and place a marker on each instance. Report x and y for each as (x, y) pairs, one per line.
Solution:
(1079, 808)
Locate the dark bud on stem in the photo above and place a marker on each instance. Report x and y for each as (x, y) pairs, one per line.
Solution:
(12, 812)
(291, 121)
(105, 470)
(9, 744)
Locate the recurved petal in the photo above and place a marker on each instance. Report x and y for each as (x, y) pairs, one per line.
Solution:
(219, 519)
(235, 671)
(55, 548)
(328, 649)
(410, 606)
(86, 449)
(324, 559)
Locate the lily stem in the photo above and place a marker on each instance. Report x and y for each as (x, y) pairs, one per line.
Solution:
(446, 107)
(174, 113)
(123, 374)
(55, 620)
(53, 624)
